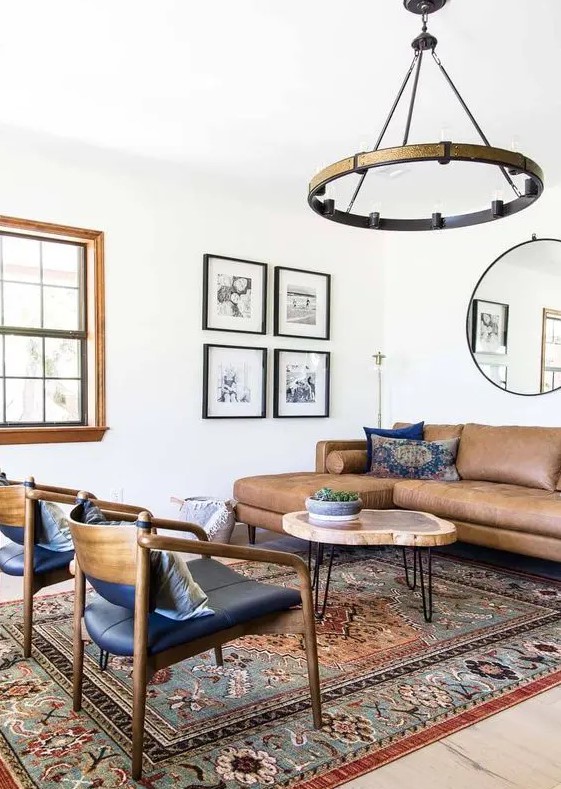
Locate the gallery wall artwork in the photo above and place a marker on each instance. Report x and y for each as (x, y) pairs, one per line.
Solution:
(235, 377)
(234, 382)
(234, 295)
(302, 303)
(301, 383)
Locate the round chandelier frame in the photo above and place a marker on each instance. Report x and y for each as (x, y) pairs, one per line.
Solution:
(510, 163)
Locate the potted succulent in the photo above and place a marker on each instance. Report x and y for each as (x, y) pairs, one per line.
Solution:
(334, 505)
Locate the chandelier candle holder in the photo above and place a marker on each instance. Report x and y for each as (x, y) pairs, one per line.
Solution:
(511, 163)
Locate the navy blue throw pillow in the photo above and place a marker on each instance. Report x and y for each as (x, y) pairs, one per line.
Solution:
(412, 432)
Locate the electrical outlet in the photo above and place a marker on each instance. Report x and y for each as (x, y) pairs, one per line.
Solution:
(116, 494)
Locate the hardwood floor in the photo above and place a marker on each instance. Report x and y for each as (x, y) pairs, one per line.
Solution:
(517, 749)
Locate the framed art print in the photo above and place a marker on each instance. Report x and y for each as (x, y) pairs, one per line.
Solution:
(301, 383)
(234, 294)
(302, 303)
(489, 327)
(234, 382)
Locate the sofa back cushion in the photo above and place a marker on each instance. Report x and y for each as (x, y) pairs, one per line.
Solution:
(529, 456)
(437, 432)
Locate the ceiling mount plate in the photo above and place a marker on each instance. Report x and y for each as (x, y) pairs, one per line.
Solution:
(423, 6)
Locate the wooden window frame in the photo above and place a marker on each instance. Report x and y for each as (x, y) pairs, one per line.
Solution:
(95, 430)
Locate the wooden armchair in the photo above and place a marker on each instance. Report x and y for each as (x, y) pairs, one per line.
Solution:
(116, 561)
(22, 557)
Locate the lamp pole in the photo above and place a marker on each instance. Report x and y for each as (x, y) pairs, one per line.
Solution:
(379, 358)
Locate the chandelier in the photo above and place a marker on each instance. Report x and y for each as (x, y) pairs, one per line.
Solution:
(510, 163)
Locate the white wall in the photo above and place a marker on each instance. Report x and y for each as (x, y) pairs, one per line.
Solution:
(429, 282)
(158, 223)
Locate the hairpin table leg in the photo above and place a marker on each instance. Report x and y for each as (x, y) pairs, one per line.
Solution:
(427, 595)
(315, 576)
(327, 580)
(406, 567)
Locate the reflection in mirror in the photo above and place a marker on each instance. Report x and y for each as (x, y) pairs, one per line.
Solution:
(514, 319)
(551, 350)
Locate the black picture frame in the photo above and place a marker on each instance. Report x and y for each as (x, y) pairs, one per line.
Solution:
(285, 407)
(257, 379)
(302, 313)
(497, 342)
(215, 266)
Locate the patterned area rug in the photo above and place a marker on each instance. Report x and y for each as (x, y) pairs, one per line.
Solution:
(391, 684)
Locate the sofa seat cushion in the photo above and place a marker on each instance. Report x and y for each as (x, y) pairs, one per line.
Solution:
(491, 503)
(234, 599)
(288, 492)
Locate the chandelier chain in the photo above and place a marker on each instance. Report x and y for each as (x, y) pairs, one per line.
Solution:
(413, 97)
(384, 128)
(478, 128)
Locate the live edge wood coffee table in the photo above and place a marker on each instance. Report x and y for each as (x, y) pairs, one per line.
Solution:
(420, 531)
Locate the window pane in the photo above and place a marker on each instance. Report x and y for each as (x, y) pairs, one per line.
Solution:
(62, 403)
(24, 400)
(21, 258)
(62, 358)
(24, 356)
(22, 305)
(61, 264)
(60, 308)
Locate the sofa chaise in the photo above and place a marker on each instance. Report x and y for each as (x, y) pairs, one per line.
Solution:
(508, 496)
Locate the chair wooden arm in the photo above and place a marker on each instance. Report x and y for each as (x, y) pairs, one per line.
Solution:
(115, 507)
(40, 494)
(112, 508)
(164, 543)
(55, 489)
(173, 525)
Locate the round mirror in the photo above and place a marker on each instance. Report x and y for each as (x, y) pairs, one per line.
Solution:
(514, 319)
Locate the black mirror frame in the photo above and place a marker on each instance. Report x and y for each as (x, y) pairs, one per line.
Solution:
(469, 307)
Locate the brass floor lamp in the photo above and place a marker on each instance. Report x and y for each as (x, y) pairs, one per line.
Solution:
(379, 358)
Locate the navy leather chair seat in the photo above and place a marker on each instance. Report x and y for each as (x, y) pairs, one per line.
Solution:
(13, 533)
(44, 561)
(234, 599)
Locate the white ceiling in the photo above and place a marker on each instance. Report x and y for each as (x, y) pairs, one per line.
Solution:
(274, 89)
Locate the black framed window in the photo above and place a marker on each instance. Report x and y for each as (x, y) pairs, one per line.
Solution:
(43, 331)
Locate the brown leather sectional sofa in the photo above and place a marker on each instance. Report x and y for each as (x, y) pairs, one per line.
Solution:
(508, 497)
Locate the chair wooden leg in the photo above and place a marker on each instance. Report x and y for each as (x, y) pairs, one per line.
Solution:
(138, 715)
(251, 534)
(313, 675)
(218, 656)
(27, 613)
(78, 641)
(140, 659)
(310, 643)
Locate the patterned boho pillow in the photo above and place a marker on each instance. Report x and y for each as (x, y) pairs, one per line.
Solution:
(409, 431)
(401, 458)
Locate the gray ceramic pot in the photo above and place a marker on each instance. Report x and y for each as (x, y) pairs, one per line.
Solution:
(334, 510)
